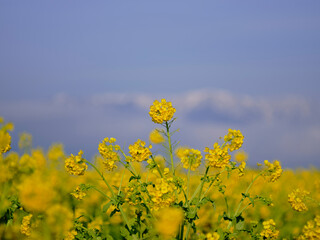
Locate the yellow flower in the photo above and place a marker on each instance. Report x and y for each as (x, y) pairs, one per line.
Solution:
(108, 152)
(60, 220)
(296, 200)
(78, 193)
(70, 235)
(274, 170)
(241, 156)
(217, 157)
(161, 111)
(214, 236)
(56, 152)
(36, 193)
(156, 137)
(75, 165)
(162, 193)
(311, 230)
(5, 141)
(189, 157)
(139, 152)
(241, 168)
(25, 226)
(235, 139)
(269, 230)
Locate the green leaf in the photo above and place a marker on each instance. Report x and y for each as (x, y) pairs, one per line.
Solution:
(106, 207)
(124, 232)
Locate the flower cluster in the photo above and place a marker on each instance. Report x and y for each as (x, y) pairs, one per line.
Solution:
(25, 226)
(241, 168)
(139, 152)
(161, 111)
(156, 137)
(108, 152)
(5, 138)
(78, 193)
(5, 141)
(240, 156)
(274, 170)
(311, 230)
(234, 139)
(269, 230)
(191, 158)
(213, 236)
(75, 165)
(296, 200)
(217, 157)
(162, 193)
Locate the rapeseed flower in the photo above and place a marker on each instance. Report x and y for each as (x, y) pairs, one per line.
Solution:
(139, 152)
(296, 200)
(217, 157)
(161, 111)
(156, 137)
(269, 230)
(78, 193)
(212, 236)
(5, 141)
(234, 139)
(162, 193)
(274, 170)
(75, 165)
(109, 153)
(168, 221)
(191, 158)
(241, 156)
(25, 228)
(311, 230)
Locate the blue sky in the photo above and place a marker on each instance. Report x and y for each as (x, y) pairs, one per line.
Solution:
(252, 65)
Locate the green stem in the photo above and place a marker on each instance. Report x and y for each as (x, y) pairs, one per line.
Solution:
(188, 180)
(113, 195)
(170, 148)
(101, 175)
(188, 230)
(200, 186)
(102, 193)
(154, 162)
(242, 199)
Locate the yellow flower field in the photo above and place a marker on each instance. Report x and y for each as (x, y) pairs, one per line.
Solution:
(132, 193)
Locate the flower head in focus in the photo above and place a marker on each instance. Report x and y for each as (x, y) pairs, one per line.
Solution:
(217, 157)
(75, 165)
(234, 139)
(108, 151)
(139, 151)
(274, 170)
(161, 111)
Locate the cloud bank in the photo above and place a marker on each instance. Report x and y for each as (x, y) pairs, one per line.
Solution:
(286, 128)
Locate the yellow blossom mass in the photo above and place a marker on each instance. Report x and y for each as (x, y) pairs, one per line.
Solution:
(139, 152)
(217, 157)
(75, 165)
(296, 199)
(190, 158)
(161, 111)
